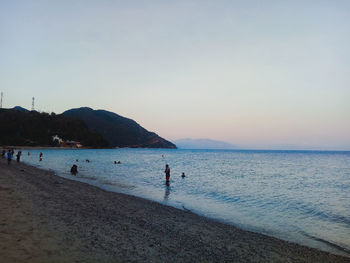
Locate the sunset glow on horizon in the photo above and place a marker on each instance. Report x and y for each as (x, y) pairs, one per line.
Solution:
(257, 74)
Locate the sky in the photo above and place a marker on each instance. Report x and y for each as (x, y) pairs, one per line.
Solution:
(258, 74)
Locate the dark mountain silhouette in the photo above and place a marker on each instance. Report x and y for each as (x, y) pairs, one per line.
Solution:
(19, 108)
(19, 126)
(117, 130)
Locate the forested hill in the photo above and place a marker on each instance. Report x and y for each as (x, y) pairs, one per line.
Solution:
(117, 130)
(19, 126)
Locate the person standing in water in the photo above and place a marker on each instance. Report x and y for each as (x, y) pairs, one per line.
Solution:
(19, 153)
(167, 173)
(74, 169)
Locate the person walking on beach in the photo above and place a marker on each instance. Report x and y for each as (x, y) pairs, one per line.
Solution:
(41, 156)
(167, 173)
(9, 157)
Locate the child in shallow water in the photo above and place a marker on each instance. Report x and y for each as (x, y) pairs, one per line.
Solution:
(74, 169)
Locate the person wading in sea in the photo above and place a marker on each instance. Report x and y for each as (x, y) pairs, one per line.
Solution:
(167, 174)
(19, 153)
(74, 169)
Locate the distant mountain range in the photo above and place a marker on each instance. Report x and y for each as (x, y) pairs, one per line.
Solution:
(188, 143)
(93, 128)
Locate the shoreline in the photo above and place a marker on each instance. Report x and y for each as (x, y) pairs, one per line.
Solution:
(112, 148)
(47, 218)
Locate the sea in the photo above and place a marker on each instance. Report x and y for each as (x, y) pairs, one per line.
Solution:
(298, 196)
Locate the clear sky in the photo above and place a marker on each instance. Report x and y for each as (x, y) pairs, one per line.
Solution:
(258, 74)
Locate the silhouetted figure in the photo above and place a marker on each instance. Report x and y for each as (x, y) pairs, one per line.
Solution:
(3, 154)
(9, 157)
(28, 153)
(183, 175)
(87, 160)
(167, 173)
(40, 156)
(74, 169)
(19, 153)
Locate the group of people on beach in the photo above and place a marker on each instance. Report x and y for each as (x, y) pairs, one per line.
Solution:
(9, 155)
(74, 169)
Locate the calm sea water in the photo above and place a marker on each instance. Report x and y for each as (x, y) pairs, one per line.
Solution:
(299, 196)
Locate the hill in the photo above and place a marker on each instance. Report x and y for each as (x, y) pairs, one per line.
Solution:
(19, 108)
(203, 144)
(30, 128)
(117, 130)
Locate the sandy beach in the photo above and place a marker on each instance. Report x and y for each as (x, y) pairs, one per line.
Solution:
(46, 218)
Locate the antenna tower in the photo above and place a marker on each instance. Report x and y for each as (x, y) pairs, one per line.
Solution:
(32, 103)
(2, 94)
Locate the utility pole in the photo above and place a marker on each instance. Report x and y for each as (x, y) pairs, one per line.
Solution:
(2, 94)
(32, 103)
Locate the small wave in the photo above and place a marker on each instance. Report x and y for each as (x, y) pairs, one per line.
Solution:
(222, 197)
(101, 182)
(333, 245)
(119, 185)
(323, 215)
(185, 209)
(88, 178)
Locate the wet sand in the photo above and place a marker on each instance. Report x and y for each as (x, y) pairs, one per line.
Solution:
(46, 218)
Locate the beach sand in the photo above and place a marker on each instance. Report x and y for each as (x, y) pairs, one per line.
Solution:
(46, 218)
